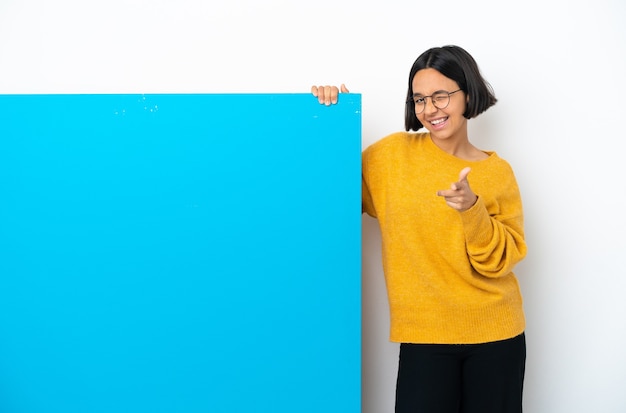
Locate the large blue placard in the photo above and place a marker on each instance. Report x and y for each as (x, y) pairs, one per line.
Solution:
(179, 253)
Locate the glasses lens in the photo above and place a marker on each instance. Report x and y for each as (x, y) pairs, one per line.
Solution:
(441, 100)
(420, 104)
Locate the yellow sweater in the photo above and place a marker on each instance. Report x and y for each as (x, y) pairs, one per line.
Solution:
(448, 273)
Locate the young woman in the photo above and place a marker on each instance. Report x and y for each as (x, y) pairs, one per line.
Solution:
(452, 231)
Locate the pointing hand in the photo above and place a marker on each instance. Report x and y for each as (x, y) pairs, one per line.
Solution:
(460, 196)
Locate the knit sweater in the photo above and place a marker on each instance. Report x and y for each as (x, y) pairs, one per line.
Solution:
(448, 273)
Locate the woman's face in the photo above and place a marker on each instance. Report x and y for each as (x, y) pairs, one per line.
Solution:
(445, 122)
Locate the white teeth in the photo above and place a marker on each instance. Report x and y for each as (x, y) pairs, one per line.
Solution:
(437, 121)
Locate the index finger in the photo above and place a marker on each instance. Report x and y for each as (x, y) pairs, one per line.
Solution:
(463, 174)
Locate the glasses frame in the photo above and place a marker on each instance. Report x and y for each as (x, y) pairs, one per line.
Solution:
(442, 92)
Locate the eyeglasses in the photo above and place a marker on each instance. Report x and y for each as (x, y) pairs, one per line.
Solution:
(440, 100)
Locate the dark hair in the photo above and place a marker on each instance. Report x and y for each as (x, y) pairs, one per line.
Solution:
(455, 63)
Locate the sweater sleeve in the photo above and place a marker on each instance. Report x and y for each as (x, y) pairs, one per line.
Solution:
(495, 240)
(367, 204)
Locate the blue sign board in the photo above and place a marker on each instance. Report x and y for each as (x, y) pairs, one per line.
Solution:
(179, 253)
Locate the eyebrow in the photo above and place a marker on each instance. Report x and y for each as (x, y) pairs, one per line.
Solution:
(434, 93)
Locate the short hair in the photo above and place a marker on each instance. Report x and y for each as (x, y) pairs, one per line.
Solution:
(455, 63)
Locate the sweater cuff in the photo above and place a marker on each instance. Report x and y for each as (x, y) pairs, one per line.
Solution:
(477, 224)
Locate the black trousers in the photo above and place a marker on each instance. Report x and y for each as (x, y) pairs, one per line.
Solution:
(465, 378)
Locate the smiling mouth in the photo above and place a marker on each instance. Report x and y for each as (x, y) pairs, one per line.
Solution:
(438, 121)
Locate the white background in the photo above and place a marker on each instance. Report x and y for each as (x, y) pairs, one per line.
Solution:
(558, 69)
